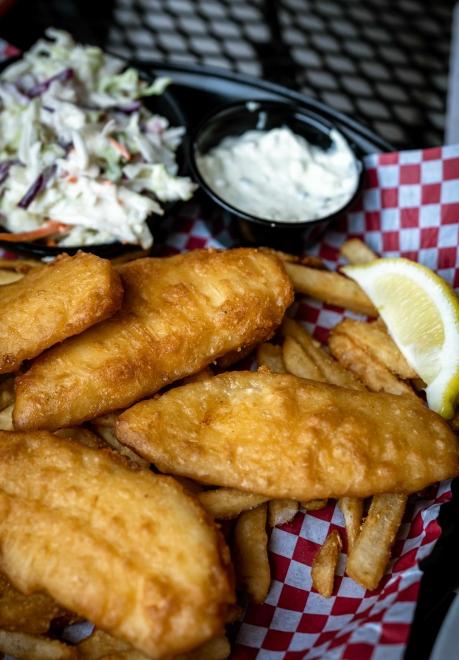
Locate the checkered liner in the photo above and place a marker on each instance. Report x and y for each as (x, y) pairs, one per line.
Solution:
(410, 208)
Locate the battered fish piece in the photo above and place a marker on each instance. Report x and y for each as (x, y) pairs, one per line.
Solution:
(287, 437)
(127, 549)
(179, 314)
(54, 302)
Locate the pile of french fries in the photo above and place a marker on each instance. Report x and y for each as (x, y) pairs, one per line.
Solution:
(359, 355)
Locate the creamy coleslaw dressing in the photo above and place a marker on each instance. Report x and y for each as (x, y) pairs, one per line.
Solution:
(278, 175)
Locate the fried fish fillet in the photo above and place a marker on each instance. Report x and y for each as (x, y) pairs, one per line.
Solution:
(287, 437)
(54, 302)
(179, 314)
(127, 549)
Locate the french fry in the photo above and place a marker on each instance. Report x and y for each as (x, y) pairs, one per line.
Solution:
(29, 647)
(306, 260)
(325, 563)
(270, 356)
(331, 288)
(314, 505)
(6, 392)
(217, 648)
(298, 362)
(357, 252)
(19, 265)
(9, 276)
(281, 511)
(102, 646)
(332, 371)
(226, 503)
(352, 510)
(370, 554)
(107, 434)
(6, 418)
(251, 553)
(374, 339)
(374, 374)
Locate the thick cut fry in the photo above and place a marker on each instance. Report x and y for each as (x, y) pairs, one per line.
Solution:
(29, 614)
(307, 260)
(125, 548)
(179, 314)
(226, 503)
(20, 265)
(28, 647)
(324, 565)
(313, 505)
(357, 252)
(9, 276)
(374, 374)
(6, 392)
(53, 302)
(330, 371)
(370, 555)
(270, 356)
(332, 288)
(251, 553)
(298, 362)
(281, 511)
(306, 441)
(101, 646)
(352, 510)
(375, 340)
(6, 418)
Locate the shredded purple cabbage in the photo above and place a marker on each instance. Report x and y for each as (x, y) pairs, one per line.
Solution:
(129, 108)
(5, 168)
(38, 89)
(37, 186)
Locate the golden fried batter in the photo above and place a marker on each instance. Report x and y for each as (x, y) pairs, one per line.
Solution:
(287, 437)
(179, 314)
(54, 302)
(125, 548)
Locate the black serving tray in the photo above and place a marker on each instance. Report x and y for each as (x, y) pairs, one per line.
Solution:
(196, 91)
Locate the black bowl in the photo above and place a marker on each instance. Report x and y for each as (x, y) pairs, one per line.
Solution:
(165, 105)
(236, 119)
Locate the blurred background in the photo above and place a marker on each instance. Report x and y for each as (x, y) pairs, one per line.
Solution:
(384, 62)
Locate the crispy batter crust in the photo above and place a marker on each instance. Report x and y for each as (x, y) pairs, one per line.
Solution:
(54, 302)
(287, 437)
(179, 314)
(125, 548)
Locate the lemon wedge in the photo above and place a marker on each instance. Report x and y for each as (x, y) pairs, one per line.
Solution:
(421, 312)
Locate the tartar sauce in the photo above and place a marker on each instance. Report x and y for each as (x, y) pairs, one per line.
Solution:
(278, 175)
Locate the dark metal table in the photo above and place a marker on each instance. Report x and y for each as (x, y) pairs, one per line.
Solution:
(385, 62)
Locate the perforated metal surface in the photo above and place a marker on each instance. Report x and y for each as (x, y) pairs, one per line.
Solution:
(385, 62)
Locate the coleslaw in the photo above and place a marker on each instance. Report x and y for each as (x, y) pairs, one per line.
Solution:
(82, 160)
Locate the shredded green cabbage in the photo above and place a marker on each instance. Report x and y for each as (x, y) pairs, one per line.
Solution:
(76, 113)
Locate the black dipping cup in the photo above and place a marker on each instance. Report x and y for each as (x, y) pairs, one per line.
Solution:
(234, 120)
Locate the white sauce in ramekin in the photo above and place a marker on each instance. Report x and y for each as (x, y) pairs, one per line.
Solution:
(278, 175)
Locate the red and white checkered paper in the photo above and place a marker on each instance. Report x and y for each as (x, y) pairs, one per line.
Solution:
(409, 208)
